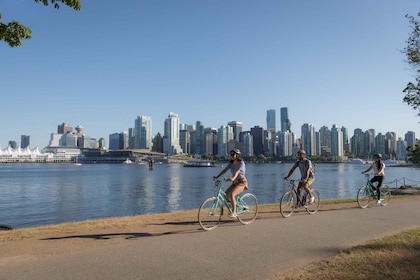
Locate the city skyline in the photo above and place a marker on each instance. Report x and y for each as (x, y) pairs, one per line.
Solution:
(66, 127)
(214, 62)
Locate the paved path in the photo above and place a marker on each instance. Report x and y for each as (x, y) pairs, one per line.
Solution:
(232, 251)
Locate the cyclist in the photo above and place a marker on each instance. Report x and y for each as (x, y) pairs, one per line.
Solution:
(378, 173)
(306, 173)
(238, 179)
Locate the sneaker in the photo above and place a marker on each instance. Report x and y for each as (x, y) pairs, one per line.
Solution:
(379, 202)
(312, 200)
(232, 215)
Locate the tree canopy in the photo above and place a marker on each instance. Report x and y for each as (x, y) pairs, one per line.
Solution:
(13, 32)
(412, 53)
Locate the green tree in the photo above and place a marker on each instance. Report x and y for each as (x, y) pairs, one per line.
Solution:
(412, 53)
(412, 91)
(414, 154)
(13, 32)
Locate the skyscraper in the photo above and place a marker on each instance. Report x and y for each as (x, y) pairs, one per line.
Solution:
(143, 133)
(199, 143)
(410, 138)
(24, 141)
(171, 137)
(271, 120)
(284, 120)
(308, 139)
(337, 147)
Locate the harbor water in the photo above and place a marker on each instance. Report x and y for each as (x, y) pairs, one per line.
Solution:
(42, 194)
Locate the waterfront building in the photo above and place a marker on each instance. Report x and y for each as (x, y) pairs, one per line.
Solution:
(247, 148)
(410, 138)
(64, 128)
(184, 140)
(401, 153)
(210, 141)
(143, 132)
(337, 149)
(224, 136)
(308, 139)
(171, 137)
(199, 136)
(258, 140)
(286, 143)
(25, 141)
(285, 123)
(271, 132)
(325, 140)
(157, 143)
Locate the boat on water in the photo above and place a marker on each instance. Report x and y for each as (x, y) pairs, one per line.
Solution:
(127, 161)
(358, 161)
(199, 163)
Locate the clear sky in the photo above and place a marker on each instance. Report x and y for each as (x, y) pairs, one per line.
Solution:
(328, 61)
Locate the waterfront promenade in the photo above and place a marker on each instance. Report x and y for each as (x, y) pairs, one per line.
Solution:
(165, 249)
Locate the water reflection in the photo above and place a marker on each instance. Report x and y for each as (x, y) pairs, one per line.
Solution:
(39, 194)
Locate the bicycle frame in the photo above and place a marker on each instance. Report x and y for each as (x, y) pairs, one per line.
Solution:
(295, 198)
(301, 198)
(221, 197)
(211, 209)
(368, 192)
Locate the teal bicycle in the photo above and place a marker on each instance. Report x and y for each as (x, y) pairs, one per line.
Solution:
(367, 193)
(211, 210)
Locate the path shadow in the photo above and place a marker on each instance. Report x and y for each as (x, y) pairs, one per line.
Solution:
(4, 227)
(137, 235)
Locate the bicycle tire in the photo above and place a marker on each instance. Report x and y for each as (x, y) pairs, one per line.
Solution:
(210, 213)
(287, 203)
(249, 204)
(364, 196)
(385, 197)
(312, 208)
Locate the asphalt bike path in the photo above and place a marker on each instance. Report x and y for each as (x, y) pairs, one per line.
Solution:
(231, 251)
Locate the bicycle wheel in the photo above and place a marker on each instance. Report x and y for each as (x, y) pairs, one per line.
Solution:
(385, 197)
(287, 203)
(247, 208)
(312, 208)
(363, 197)
(210, 213)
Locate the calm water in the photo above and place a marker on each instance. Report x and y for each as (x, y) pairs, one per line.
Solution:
(41, 194)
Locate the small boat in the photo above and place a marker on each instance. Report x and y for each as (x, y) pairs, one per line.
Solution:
(127, 161)
(199, 163)
(77, 163)
(358, 161)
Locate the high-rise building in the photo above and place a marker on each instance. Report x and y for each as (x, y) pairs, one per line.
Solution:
(271, 132)
(143, 133)
(210, 141)
(258, 140)
(286, 143)
(171, 144)
(199, 143)
(24, 141)
(285, 123)
(410, 138)
(271, 120)
(308, 139)
(247, 148)
(337, 146)
(64, 128)
(118, 141)
(224, 137)
(237, 129)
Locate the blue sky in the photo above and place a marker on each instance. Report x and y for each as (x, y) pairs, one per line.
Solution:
(330, 62)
